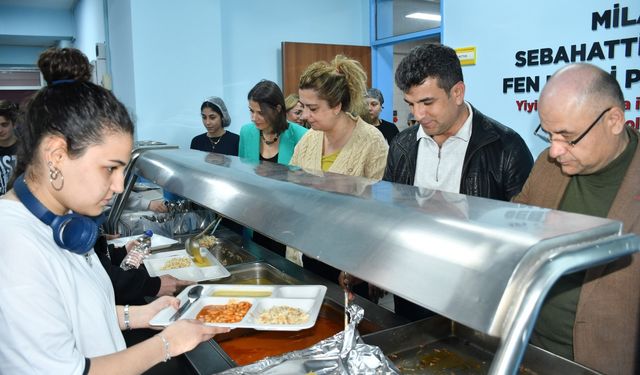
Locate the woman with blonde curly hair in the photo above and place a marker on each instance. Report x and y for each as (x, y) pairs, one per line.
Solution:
(340, 141)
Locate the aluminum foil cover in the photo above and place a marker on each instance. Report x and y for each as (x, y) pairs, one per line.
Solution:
(343, 353)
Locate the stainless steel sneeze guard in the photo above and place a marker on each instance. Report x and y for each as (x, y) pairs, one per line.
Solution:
(121, 199)
(483, 263)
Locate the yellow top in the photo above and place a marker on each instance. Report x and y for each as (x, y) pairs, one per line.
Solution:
(364, 155)
(327, 160)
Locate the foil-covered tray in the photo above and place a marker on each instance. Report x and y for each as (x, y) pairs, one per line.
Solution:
(342, 354)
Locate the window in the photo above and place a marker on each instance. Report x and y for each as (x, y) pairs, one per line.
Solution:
(400, 17)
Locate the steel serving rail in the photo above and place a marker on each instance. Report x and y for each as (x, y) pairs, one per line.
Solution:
(483, 263)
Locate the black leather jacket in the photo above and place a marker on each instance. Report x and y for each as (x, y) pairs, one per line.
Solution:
(496, 164)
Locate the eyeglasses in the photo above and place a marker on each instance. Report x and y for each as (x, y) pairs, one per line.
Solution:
(545, 136)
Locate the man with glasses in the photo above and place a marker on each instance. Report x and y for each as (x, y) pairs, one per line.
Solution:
(592, 167)
(455, 148)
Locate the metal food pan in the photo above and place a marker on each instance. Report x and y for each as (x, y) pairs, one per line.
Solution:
(257, 273)
(227, 252)
(436, 345)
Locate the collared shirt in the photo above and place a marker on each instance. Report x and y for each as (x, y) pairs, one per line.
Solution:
(440, 168)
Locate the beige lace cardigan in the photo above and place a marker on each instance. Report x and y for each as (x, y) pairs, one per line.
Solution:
(364, 155)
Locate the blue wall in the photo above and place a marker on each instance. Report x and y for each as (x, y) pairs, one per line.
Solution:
(19, 56)
(252, 32)
(166, 56)
(179, 55)
(120, 51)
(31, 27)
(89, 26)
(504, 27)
(35, 22)
(176, 60)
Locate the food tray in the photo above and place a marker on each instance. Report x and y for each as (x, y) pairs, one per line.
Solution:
(155, 263)
(262, 297)
(157, 241)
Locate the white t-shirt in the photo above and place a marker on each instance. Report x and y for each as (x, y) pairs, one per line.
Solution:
(440, 168)
(56, 307)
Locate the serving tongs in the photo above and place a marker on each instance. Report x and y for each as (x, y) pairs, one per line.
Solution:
(192, 244)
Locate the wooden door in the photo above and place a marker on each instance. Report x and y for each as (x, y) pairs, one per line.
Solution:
(297, 56)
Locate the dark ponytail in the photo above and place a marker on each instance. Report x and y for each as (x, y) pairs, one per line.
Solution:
(70, 106)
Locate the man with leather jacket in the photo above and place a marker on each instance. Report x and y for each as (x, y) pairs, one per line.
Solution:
(456, 148)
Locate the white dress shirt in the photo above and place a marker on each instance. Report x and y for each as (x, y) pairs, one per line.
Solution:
(440, 168)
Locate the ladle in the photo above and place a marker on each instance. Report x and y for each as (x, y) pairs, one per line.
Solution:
(192, 245)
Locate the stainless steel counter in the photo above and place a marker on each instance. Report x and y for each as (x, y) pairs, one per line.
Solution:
(209, 358)
(485, 264)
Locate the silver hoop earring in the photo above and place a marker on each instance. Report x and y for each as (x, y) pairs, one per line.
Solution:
(54, 173)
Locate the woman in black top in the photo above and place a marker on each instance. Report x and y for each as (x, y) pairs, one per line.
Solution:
(215, 119)
(375, 100)
(8, 142)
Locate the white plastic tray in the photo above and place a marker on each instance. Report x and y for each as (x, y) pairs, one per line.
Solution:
(216, 270)
(157, 241)
(305, 297)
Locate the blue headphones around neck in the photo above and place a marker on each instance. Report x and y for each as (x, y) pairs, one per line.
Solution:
(74, 232)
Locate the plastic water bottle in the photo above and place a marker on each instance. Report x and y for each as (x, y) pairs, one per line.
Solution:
(135, 257)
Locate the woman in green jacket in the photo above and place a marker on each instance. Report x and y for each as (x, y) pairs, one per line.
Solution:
(269, 136)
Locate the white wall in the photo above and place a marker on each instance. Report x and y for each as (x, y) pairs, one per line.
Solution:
(500, 28)
(183, 52)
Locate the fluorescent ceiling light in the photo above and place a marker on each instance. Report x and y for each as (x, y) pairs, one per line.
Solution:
(424, 16)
